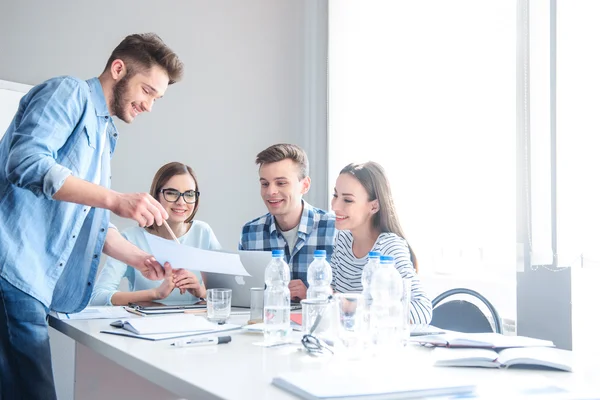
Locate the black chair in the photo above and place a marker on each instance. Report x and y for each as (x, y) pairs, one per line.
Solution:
(462, 315)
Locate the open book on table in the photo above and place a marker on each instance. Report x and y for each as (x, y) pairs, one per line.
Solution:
(483, 340)
(523, 357)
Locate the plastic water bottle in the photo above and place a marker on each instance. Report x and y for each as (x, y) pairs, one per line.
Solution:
(367, 275)
(387, 311)
(277, 299)
(319, 277)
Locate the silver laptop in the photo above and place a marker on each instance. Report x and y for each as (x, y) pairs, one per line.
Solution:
(255, 263)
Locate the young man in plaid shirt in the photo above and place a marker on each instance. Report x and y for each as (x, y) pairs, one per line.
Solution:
(291, 224)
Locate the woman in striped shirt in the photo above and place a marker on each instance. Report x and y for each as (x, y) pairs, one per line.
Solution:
(367, 221)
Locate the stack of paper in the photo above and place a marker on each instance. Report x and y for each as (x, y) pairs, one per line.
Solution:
(95, 313)
(334, 384)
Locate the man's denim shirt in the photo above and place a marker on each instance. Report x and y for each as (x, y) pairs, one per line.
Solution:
(51, 249)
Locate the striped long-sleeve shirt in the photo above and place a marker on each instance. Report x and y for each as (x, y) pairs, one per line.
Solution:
(347, 270)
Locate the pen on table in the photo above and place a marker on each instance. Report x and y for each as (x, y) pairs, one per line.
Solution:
(202, 341)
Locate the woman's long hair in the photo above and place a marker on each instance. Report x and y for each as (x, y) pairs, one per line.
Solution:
(373, 178)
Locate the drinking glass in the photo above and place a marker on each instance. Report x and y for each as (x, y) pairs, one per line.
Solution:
(351, 313)
(218, 305)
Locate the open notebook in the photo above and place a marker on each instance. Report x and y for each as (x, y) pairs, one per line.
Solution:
(335, 384)
(524, 357)
(483, 340)
(167, 327)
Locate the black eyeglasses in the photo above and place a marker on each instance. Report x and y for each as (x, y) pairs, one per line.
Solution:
(313, 344)
(173, 195)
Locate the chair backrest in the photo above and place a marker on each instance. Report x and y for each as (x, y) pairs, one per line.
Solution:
(462, 315)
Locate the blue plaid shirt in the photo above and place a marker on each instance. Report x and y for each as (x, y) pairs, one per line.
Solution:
(315, 232)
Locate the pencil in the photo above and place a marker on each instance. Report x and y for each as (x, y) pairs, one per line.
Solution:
(166, 225)
(195, 311)
(136, 312)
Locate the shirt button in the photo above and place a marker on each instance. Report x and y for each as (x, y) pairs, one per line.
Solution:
(73, 236)
(101, 230)
(60, 265)
(106, 117)
(85, 209)
(115, 135)
(89, 283)
(95, 255)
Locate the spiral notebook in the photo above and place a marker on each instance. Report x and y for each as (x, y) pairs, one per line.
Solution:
(167, 327)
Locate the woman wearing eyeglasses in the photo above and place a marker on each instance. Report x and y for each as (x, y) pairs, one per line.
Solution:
(176, 188)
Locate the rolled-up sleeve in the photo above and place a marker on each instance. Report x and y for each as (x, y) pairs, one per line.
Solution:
(108, 282)
(47, 121)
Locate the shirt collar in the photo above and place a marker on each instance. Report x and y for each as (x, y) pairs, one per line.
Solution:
(98, 97)
(305, 220)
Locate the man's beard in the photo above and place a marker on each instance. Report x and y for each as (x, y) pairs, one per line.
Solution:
(119, 103)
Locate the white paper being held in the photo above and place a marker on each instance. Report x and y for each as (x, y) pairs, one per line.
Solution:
(192, 258)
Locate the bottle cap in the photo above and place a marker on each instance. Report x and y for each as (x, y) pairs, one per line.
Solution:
(387, 259)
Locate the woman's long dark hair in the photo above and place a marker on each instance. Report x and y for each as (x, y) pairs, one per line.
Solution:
(372, 177)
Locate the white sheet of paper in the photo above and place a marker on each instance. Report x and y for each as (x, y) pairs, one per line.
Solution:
(182, 256)
(99, 312)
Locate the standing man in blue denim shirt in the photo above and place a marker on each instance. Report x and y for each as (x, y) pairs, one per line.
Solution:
(291, 224)
(55, 202)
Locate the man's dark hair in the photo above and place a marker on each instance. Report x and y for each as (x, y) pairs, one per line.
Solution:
(142, 51)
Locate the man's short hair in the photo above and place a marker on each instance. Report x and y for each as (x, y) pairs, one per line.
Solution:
(142, 51)
(282, 151)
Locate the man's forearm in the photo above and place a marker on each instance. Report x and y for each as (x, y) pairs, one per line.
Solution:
(124, 298)
(76, 190)
(116, 246)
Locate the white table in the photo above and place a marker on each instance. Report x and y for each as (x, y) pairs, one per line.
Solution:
(238, 370)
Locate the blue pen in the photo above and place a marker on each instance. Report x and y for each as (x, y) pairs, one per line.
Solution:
(202, 341)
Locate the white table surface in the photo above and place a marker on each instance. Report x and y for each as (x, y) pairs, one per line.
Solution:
(242, 370)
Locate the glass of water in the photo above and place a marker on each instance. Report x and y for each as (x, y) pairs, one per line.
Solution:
(218, 305)
(351, 310)
(256, 304)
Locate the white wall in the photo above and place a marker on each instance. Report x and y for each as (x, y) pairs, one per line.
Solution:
(255, 75)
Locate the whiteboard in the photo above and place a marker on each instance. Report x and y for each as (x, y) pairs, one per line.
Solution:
(10, 95)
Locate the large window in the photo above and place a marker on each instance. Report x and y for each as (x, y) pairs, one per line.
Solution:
(428, 90)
